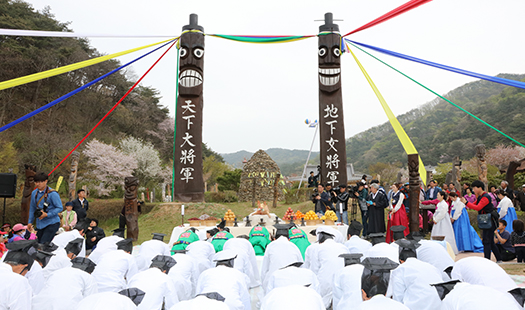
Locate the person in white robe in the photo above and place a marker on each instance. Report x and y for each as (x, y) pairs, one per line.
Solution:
(115, 267)
(175, 234)
(330, 263)
(106, 301)
(442, 224)
(66, 287)
(245, 252)
(380, 302)
(64, 238)
(183, 275)
(481, 271)
(467, 296)
(293, 275)
(311, 260)
(355, 244)
(411, 281)
(292, 297)
(435, 254)
(105, 245)
(346, 291)
(58, 261)
(375, 284)
(383, 249)
(279, 253)
(149, 249)
(227, 281)
(202, 253)
(201, 302)
(16, 292)
(158, 287)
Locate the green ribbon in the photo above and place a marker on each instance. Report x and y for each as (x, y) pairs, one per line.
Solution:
(452, 103)
(260, 39)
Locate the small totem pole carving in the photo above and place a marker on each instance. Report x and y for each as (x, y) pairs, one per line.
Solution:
(413, 179)
(482, 164)
(29, 186)
(131, 185)
(73, 175)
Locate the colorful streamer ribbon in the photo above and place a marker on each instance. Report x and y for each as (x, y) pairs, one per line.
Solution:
(400, 132)
(494, 79)
(53, 72)
(112, 109)
(261, 39)
(63, 34)
(395, 12)
(440, 96)
(74, 92)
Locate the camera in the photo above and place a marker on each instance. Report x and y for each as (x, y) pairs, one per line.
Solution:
(352, 189)
(39, 211)
(314, 195)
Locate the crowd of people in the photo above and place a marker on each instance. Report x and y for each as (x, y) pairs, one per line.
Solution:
(79, 267)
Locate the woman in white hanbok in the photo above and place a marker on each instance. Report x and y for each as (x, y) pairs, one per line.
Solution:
(442, 223)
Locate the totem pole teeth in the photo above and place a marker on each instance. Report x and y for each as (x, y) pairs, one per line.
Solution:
(329, 77)
(190, 78)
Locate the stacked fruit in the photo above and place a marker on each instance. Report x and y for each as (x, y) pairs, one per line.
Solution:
(289, 215)
(299, 215)
(329, 215)
(310, 216)
(229, 216)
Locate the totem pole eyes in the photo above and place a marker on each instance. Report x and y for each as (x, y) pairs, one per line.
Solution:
(329, 63)
(191, 64)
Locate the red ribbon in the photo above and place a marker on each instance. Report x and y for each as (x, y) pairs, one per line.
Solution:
(112, 109)
(412, 4)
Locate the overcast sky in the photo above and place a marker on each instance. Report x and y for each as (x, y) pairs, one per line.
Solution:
(257, 96)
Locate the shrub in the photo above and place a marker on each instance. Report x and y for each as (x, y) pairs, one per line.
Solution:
(226, 196)
(298, 195)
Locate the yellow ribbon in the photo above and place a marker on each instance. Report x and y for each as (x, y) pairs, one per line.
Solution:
(53, 72)
(400, 132)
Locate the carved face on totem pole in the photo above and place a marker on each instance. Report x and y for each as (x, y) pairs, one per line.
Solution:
(131, 185)
(191, 64)
(329, 54)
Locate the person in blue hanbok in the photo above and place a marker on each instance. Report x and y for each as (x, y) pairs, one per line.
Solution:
(467, 239)
(506, 209)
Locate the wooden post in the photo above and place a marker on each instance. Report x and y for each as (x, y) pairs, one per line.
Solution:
(482, 164)
(131, 185)
(73, 176)
(254, 180)
(511, 171)
(413, 179)
(29, 186)
(276, 189)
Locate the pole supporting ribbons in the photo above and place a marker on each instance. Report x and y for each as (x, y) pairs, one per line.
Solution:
(400, 132)
(53, 72)
(112, 109)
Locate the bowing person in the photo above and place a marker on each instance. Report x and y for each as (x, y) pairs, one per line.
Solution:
(116, 267)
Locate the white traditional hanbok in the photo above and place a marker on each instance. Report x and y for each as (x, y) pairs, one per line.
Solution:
(64, 238)
(279, 253)
(16, 293)
(106, 301)
(159, 289)
(36, 278)
(347, 294)
(229, 283)
(443, 225)
(466, 296)
(435, 254)
(148, 250)
(106, 244)
(292, 297)
(383, 249)
(183, 276)
(56, 262)
(246, 258)
(481, 271)
(113, 269)
(293, 276)
(64, 289)
(357, 245)
(410, 284)
(380, 302)
(311, 260)
(200, 303)
(330, 264)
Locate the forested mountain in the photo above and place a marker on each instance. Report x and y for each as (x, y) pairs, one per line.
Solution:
(441, 131)
(46, 138)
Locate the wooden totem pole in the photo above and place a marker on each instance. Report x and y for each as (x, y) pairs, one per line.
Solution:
(331, 121)
(482, 164)
(131, 185)
(75, 156)
(29, 186)
(413, 181)
(189, 182)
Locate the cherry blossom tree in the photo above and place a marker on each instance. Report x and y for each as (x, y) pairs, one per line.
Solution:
(501, 155)
(149, 166)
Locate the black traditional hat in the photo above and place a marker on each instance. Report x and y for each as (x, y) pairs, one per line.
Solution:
(158, 236)
(296, 264)
(163, 262)
(398, 231)
(282, 230)
(225, 258)
(351, 259)
(212, 231)
(445, 287)
(518, 294)
(42, 257)
(74, 246)
(19, 257)
(376, 275)
(21, 245)
(415, 236)
(376, 238)
(126, 245)
(83, 263)
(118, 232)
(193, 229)
(222, 224)
(354, 229)
(136, 295)
(407, 248)
(179, 251)
(213, 295)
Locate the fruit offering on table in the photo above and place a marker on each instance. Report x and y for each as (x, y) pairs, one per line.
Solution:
(229, 216)
(310, 216)
(262, 208)
(204, 217)
(299, 215)
(194, 219)
(211, 218)
(289, 215)
(329, 215)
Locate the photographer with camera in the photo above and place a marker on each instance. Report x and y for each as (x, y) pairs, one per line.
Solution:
(45, 207)
(362, 195)
(341, 205)
(322, 200)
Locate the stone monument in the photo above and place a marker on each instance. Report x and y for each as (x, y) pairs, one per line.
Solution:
(258, 179)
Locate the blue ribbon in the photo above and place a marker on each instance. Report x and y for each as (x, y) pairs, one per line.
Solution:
(495, 79)
(52, 103)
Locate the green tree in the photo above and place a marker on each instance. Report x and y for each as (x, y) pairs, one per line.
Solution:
(230, 180)
(212, 168)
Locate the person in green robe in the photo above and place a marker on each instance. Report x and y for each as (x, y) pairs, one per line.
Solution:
(259, 238)
(184, 240)
(220, 238)
(300, 239)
